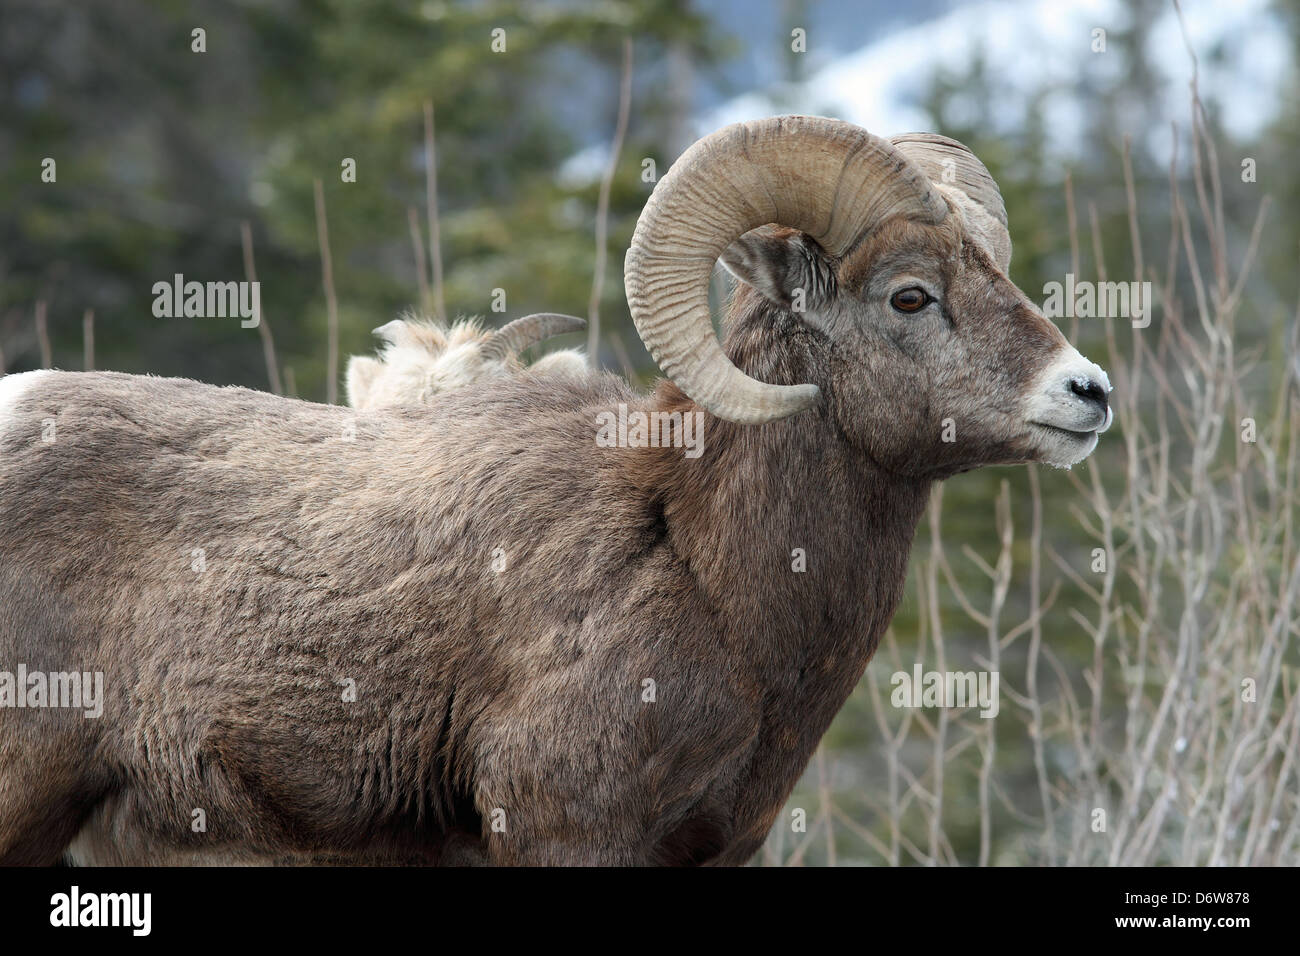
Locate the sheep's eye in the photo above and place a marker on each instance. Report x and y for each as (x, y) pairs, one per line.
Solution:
(909, 300)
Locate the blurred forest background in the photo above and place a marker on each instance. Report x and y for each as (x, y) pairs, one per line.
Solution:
(1122, 686)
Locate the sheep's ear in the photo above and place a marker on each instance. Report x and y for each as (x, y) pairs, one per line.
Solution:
(362, 372)
(785, 266)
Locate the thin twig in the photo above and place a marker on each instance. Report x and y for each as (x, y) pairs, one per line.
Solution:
(620, 353)
(331, 303)
(263, 327)
(431, 208)
(421, 267)
(43, 336)
(88, 340)
(602, 206)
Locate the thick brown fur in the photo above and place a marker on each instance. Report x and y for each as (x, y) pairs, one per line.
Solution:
(368, 547)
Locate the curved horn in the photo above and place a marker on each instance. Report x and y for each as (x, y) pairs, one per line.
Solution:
(830, 179)
(516, 336)
(957, 171)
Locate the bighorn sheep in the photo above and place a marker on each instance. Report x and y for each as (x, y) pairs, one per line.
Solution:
(473, 628)
(421, 358)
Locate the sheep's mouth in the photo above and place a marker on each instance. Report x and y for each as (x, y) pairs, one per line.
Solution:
(1076, 435)
(1062, 447)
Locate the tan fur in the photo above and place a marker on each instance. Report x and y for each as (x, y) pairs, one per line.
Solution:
(499, 587)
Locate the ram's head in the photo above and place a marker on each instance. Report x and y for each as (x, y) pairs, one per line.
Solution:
(421, 358)
(892, 256)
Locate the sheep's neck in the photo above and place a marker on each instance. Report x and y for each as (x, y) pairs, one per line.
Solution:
(801, 543)
(801, 540)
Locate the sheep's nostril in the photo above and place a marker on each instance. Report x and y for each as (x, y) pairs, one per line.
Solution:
(1090, 389)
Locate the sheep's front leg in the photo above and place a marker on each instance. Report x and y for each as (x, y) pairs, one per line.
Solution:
(696, 840)
(564, 817)
(616, 818)
(569, 775)
(462, 848)
(559, 848)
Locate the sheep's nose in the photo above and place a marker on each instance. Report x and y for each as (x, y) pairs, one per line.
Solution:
(1090, 389)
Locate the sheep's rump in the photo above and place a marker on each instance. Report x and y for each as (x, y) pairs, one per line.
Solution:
(235, 562)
